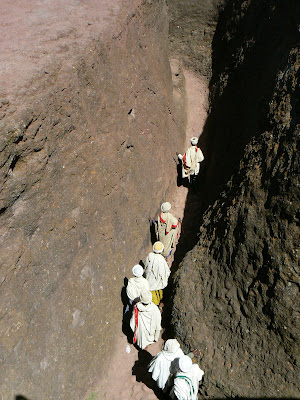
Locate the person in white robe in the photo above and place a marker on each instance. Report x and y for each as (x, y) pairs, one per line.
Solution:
(186, 381)
(145, 321)
(160, 365)
(167, 229)
(157, 272)
(137, 284)
(191, 160)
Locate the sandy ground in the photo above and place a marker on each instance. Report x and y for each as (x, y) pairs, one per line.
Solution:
(128, 378)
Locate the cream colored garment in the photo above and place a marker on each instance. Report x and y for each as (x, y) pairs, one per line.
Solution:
(191, 161)
(160, 366)
(167, 231)
(186, 384)
(149, 324)
(157, 271)
(136, 286)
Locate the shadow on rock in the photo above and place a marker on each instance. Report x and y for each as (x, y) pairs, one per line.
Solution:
(180, 180)
(19, 397)
(127, 312)
(153, 237)
(140, 370)
(191, 222)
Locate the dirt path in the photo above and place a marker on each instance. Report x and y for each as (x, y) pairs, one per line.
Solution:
(127, 378)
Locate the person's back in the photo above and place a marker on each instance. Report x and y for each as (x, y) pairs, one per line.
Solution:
(145, 321)
(191, 160)
(167, 229)
(137, 284)
(186, 381)
(161, 363)
(157, 270)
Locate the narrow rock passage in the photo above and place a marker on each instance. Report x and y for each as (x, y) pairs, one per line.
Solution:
(126, 377)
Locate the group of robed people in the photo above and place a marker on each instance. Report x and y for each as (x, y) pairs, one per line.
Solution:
(171, 369)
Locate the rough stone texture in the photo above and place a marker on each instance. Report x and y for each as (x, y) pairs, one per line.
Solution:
(192, 27)
(84, 160)
(78, 182)
(37, 33)
(237, 290)
(251, 46)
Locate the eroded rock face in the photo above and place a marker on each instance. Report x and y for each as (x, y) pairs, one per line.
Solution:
(192, 27)
(237, 290)
(83, 165)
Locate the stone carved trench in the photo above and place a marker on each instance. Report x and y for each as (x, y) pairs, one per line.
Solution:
(89, 129)
(133, 381)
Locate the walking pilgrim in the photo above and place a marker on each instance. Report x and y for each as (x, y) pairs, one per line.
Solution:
(167, 229)
(160, 365)
(157, 272)
(191, 161)
(145, 321)
(186, 380)
(136, 285)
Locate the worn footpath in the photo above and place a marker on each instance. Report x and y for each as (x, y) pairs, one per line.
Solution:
(127, 377)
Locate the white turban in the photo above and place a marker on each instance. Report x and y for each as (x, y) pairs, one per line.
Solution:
(185, 363)
(165, 207)
(171, 345)
(194, 140)
(146, 297)
(138, 270)
(158, 247)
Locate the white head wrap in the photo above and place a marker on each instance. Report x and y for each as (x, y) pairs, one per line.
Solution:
(194, 140)
(185, 363)
(171, 345)
(146, 297)
(165, 207)
(158, 247)
(138, 270)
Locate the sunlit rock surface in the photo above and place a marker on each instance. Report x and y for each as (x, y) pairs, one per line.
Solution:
(83, 166)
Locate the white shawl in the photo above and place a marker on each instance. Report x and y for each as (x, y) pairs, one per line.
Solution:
(149, 324)
(191, 160)
(135, 286)
(160, 366)
(186, 384)
(157, 271)
(167, 231)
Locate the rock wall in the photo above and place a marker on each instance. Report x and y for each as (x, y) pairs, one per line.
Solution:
(191, 30)
(237, 291)
(84, 162)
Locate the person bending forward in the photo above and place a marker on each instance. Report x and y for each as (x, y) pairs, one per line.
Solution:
(161, 363)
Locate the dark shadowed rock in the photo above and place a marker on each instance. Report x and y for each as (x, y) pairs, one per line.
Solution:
(192, 27)
(237, 290)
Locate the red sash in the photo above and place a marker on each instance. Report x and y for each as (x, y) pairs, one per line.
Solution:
(136, 317)
(160, 217)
